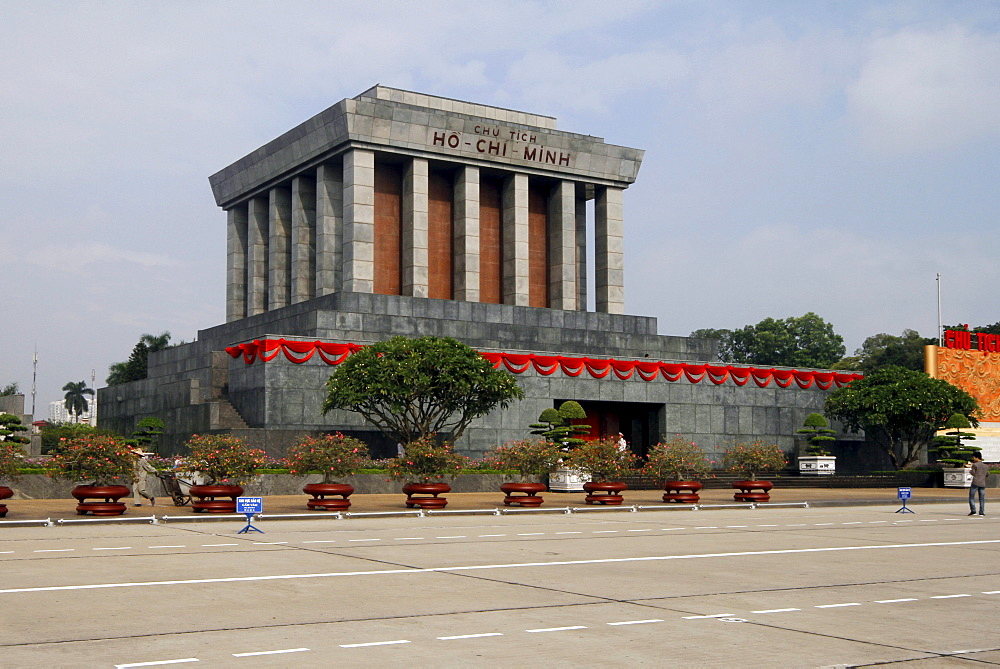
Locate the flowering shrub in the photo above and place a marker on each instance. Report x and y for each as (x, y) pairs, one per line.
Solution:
(528, 457)
(223, 458)
(750, 459)
(676, 460)
(332, 455)
(602, 459)
(11, 460)
(424, 460)
(98, 458)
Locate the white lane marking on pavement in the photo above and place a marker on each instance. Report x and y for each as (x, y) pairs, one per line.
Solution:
(364, 540)
(671, 529)
(775, 610)
(6, 551)
(904, 521)
(558, 629)
(513, 565)
(321, 541)
(529, 534)
(373, 643)
(732, 527)
(855, 522)
(213, 545)
(893, 601)
(646, 530)
(706, 527)
(271, 652)
(876, 522)
(991, 592)
(767, 526)
(178, 546)
(269, 543)
(605, 532)
(115, 548)
(819, 524)
(928, 520)
(457, 536)
(637, 622)
(150, 664)
(408, 539)
(491, 535)
(569, 532)
(948, 596)
(469, 636)
(837, 606)
(713, 615)
(55, 550)
(799, 524)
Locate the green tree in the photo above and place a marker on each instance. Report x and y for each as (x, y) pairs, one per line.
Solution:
(899, 409)
(136, 368)
(416, 388)
(10, 425)
(10, 389)
(556, 425)
(949, 446)
(815, 429)
(145, 433)
(76, 400)
(882, 350)
(805, 341)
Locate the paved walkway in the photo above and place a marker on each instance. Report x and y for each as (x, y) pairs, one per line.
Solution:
(40, 509)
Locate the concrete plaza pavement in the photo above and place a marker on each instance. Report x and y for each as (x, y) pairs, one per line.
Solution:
(847, 585)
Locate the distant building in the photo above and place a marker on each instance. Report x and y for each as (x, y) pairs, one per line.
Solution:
(59, 414)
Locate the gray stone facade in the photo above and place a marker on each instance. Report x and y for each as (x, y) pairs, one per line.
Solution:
(303, 216)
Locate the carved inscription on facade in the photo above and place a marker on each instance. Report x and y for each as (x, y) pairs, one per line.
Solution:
(500, 142)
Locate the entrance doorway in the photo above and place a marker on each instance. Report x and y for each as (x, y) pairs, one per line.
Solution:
(639, 422)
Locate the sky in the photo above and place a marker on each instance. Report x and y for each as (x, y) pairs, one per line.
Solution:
(831, 157)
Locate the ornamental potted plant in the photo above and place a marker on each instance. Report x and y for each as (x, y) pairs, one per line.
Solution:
(953, 454)
(749, 460)
(333, 456)
(605, 461)
(11, 454)
(556, 426)
(100, 459)
(676, 464)
(530, 458)
(226, 463)
(423, 464)
(818, 461)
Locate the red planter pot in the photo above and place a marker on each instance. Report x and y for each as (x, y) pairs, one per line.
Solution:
(425, 495)
(109, 496)
(747, 493)
(684, 492)
(604, 492)
(207, 498)
(529, 496)
(5, 493)
(322, 491)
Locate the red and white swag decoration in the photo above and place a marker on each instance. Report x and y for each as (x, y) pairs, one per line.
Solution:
(331, 353)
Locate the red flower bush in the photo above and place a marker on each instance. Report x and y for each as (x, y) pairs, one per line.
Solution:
(332, 455)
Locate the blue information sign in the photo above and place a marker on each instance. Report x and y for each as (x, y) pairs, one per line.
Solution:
(249, 505)
(904, 493)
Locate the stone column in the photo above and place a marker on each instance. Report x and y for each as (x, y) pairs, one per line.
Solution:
(415, 191)
(329, 227)
(236, 263)
(303, 238)
(562, 246)
(466, 234)
(581, 248)
(515, 239)
(359, 221)
(257, 256)
(279, 248)
(609, 263)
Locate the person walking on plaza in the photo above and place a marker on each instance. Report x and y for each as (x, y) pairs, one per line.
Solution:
(979, 472)
(143, 468)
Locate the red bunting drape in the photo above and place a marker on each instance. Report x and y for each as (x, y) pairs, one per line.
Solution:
(546, 365)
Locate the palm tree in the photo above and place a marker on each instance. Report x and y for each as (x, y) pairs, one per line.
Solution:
(76, 402)
(156, 342)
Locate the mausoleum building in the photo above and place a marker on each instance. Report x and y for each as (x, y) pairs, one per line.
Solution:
(400, 213)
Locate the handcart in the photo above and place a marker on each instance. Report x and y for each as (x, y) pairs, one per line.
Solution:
(178, 486)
